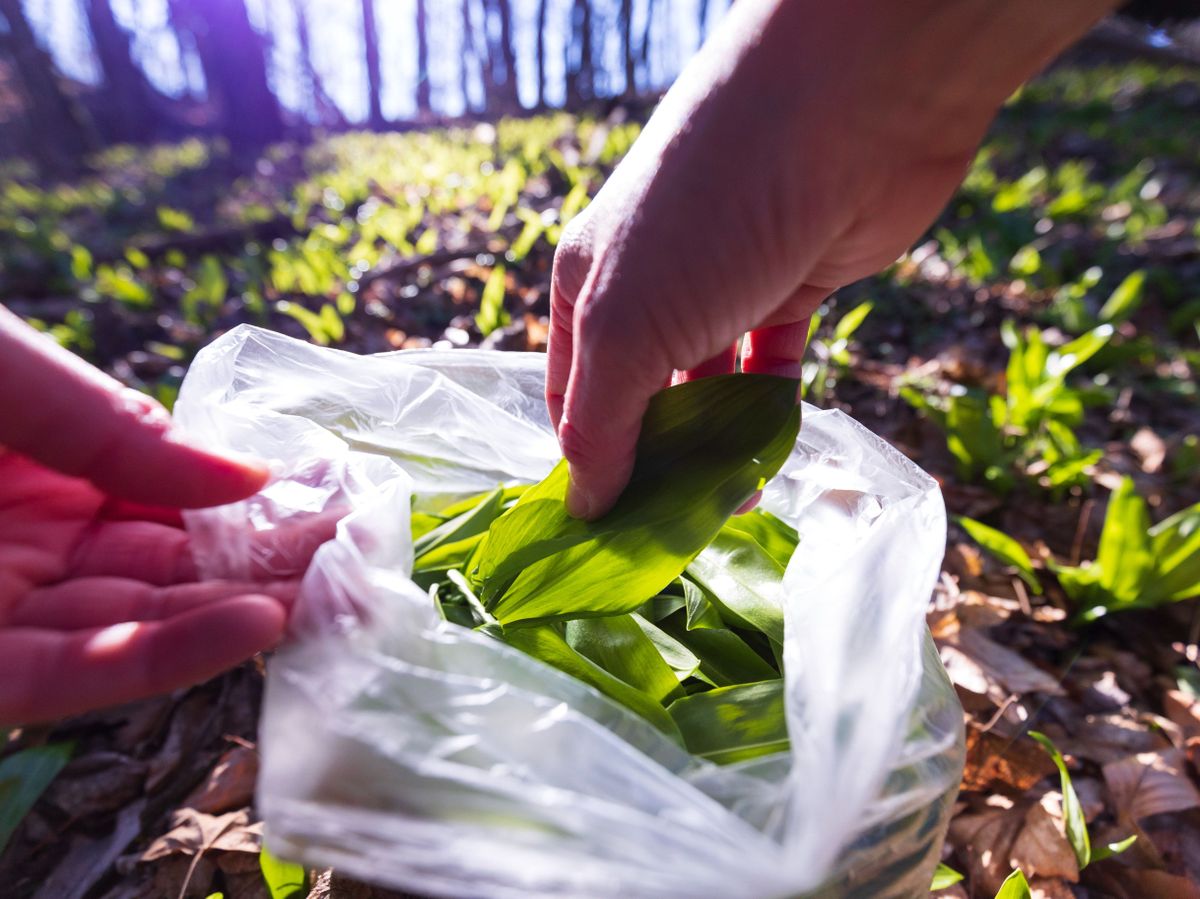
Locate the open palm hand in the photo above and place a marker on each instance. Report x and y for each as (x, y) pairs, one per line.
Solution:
(100, 602)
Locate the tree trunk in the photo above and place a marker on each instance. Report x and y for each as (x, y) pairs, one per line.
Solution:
(61, 132)
(233, 57)
(468, 53)
(326, 111)
(422, 59)
(509, 96)
(579, 76)
(371, 50)
(541, 54)
(627, 46)
(131, 103)
(644, 47)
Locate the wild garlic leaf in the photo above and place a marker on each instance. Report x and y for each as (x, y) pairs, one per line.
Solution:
(701, 606)
(678, 657)
(705, 447)
(469, 523)
(547, 645)
(777, 538)
(620, 646)
(1015, 886)
(1073, 818)
(944, 877)
(732, 724)
(743, 581)
(23, 778)
(725, 658)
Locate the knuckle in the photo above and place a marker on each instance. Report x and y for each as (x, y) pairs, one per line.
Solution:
(580, 446)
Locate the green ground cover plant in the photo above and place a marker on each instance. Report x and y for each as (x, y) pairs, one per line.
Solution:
(625, 603)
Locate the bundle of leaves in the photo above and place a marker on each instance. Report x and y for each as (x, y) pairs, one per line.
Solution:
(667, 604)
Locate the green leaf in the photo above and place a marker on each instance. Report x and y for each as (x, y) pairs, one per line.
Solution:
(175, 219)
(1072, 355)
(972, 436)
(620, 646)
(1125, 300)
(732, 724)
(852, 321)
(778, 538)
(427, 243)
(548, 646)
(1073, 818)
(1125, 558)
(285, 880)
(725, 658)
(1175, 544)
(705, 447)
(492, 314)
(24, 776)
(743, 582)
(471, 523)
(701, 609)
(1026, 261)
(678, 657)
(944, 877)
(1015, 886)
(1111, 849)
(1003, 547)
(81, 263)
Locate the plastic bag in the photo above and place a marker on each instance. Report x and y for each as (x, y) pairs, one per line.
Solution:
(408, 751)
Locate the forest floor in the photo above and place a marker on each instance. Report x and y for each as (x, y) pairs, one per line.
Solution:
(1080, 216)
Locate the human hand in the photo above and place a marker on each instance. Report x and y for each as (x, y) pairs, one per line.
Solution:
(805, 147)
(99, 600)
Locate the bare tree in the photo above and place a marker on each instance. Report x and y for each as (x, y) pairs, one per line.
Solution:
(60, 129)
(324, 109)
(627, 46)
(503, 93)
(468, 53)
(233, 57)
(371, 50)
(541, 53)
(644, 47)
(422, 58)
(580, 79)
(131, 107)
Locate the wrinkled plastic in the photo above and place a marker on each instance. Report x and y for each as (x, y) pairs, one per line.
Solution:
(408, 751)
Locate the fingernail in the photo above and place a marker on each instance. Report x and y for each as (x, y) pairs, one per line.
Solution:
(579, 503)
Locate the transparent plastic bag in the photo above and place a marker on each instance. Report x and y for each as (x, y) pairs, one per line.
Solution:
(405, 750)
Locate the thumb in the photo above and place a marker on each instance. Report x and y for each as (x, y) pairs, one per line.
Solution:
(62, 413)
(615, 369)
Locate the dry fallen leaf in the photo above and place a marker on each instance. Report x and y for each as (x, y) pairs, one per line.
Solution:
(980, 664)
(1002, 835)
(1121, 882)
(1050, 888)
(192, 831)
(1183, 709)
(997, 762)
(1150, 448)
(230, 785)
(1150, 783)
(1109, 738)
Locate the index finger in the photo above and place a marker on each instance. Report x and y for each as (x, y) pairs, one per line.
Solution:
(62, 413)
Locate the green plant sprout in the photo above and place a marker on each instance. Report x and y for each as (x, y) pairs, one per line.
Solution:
(1075, 825)
(1028, 429)
(1137, 566)
(831, 357)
